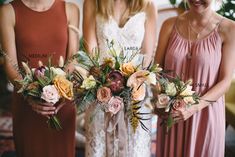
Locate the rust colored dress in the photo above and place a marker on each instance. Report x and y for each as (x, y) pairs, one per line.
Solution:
(39, 35)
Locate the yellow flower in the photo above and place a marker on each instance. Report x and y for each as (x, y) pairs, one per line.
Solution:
(64, 86)
(109, 61)
(89, 82)
(127, 69)
(187, 91)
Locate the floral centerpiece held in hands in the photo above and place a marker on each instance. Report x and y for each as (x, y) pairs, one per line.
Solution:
(172, 94)
(117, 83)
(47, 84)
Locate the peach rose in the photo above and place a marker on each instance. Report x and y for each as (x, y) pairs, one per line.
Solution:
(179, 105)
(138, 93)
(104, 94)
(64, 86)
(137, 78)
(127, 69)
(162, 101)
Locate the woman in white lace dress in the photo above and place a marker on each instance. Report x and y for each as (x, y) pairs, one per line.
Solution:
(131, 24)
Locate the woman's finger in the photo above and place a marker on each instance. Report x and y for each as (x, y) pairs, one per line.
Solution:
(43, 108)
(59, 107)
(178, 119)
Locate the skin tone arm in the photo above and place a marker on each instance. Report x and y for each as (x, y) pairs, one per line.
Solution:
(7, 35)
(73, 15)
(149, 41)
(164, 36)
(89, 25)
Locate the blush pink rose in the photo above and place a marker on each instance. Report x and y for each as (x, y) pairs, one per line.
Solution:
(115, 104)
(104, 94)
(50, 94)
(162, 101)
(179, 105)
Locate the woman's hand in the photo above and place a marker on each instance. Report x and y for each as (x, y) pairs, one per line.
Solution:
(42, 108)
(160, 112)
(184, 114)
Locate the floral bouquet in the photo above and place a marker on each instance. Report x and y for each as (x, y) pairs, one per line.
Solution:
(47, 84)
(173, 94)
(116, 84)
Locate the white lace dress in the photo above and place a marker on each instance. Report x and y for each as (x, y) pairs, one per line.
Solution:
(130, 36)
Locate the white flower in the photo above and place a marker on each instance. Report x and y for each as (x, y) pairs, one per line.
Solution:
(170, 89)
(61, 62)
(188, 91)
(189, 100)
(89, 82)
(26, 68)
(158, 68)
(50, 94)
(83, 72)
(151, 79)
(58, 71)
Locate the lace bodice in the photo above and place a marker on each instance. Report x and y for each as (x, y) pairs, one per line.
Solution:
(129, 37)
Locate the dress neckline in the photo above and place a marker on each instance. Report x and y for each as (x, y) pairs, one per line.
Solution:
(213, 32)
(128, 21)
(44, 11)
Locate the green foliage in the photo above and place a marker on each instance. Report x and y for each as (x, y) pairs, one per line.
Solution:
(228, 9)
(2, 1)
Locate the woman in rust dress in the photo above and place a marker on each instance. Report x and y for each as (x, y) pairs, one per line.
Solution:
(33, 30)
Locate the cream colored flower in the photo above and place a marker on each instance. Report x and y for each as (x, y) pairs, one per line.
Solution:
(151, 79)
(188, 91)
(89, 82)
(170, 89)
(189, 100)
(158, 68)
(61, 62)
(58, 71)
(26, 68)
(50, 94)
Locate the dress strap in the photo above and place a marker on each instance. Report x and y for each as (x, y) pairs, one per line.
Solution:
(218, 24)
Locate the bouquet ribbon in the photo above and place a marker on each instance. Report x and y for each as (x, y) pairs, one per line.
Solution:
(116, 135)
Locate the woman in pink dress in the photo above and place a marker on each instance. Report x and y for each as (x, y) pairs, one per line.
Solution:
(198, 45)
